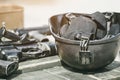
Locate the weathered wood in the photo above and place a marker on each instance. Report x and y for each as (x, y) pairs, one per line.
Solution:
(50, 68)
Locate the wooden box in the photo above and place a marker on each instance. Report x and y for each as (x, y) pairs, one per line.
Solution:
(12, 15)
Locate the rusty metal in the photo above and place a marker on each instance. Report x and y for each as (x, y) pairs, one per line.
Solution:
(7, 34)
(100, 51)
(18, 45)
(7, 67)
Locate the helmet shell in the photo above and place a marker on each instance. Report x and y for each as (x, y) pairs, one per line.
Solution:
(102, 51)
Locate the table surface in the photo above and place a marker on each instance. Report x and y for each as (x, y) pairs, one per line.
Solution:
(50, 68)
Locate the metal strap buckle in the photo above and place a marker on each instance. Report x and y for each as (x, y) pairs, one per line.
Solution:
(85, 56)
(84, 43)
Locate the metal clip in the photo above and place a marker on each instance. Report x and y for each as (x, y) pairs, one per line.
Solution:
(85, 56)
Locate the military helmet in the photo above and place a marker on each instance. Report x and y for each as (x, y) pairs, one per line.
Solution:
(86, 41)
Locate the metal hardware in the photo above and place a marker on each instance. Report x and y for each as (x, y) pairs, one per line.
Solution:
(85, 56)
(7, 34)
(7, 67)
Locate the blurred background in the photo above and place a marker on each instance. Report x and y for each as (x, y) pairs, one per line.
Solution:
(37, 12)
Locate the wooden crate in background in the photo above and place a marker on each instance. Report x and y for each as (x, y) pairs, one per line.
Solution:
(12, 15)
